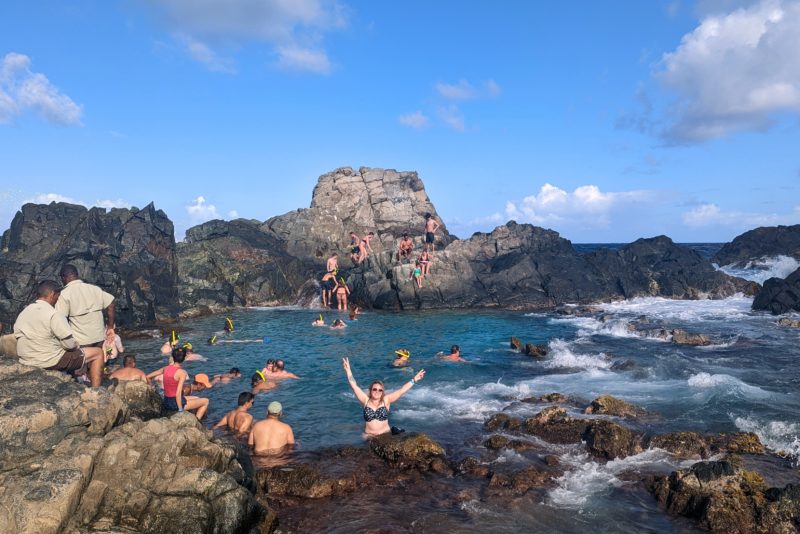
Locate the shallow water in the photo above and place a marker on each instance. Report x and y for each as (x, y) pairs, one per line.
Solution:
(747, 380)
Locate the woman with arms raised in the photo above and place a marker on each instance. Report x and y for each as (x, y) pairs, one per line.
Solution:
(376, 402)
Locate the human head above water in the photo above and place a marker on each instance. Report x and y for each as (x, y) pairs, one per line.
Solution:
(245, 397)
(279, 365)
(455, 348)
(256, 379)
(235, 371)
(376, 390)
(129, 360)
(274, 409)
(178, 354)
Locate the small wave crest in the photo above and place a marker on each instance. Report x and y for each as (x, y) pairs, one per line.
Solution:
(729, 383)
(735, 307)
(779, 436)
(561, 356)
(764, 268)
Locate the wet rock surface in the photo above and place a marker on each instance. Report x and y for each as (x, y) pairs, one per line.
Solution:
(779, 296)
(608, 405)
(759, 243)
(70, 463)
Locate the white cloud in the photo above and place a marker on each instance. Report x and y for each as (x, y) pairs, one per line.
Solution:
(22, 90)
(233, 214)
(202, 53)
(416, 119)
(108, 204)
(47, 198)
(464, 90)
(586, 204)
(294, 28)
(200, 210)
(452, 117)
(734, 72)
(712, 215)
(299, 58)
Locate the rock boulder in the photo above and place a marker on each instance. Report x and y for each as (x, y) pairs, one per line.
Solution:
(779, 296)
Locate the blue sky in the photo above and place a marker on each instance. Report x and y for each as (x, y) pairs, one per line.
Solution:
(605, 121)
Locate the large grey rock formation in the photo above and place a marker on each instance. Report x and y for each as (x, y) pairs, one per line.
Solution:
(70, 463)
(760, 243)
(780, 295)
(128, 252)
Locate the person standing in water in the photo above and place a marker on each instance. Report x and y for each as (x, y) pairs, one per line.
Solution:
(271, 436)
(341, 295)
(377, 402)
(239, 420)
(328, 284)
(454, 356)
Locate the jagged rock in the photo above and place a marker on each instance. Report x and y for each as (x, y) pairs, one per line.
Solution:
(725, 500)
(142, 400)
(608, 405)
(128, 252)
(556, 398)
(516, 344)
(537, 351)
(791, 323)
(609, 440)
(239, 263)
(8, 346)
(778, 295)
(66, 467)
(681, 337)
(552, 424)
(473, 467)
(502, 420)
(760, 243)
(686, 444)
(303, 481)
(735, 442)
(521, 481)
(414, 450)
(497, 442)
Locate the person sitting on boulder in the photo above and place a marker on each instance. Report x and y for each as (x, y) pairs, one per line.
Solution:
(405, 248)
(129, 371)
(239, 420)
(45, 339)
(454, 356)
(377, 404)
(271, 436)
(173, 377)
(416, 274)
(425, 262)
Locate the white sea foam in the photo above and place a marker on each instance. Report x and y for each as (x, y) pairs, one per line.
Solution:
(778, 436)
(735, 307)
(588, 478)
(764, 268)
(453, 401)
(706, 381)
(561, 356)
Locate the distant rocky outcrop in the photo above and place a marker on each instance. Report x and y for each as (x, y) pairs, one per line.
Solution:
(779, 295)
(128, 252)
(760, 243)
(75, 459)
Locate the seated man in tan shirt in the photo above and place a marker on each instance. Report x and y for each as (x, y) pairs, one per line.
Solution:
(83, 305)
(45, 339)
(271, 436)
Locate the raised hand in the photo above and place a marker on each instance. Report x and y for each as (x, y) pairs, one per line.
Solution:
(420, 375)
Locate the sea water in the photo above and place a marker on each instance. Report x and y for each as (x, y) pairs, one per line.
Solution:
(747, 379)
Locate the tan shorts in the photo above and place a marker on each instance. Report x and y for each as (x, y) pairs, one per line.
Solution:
(73, 362)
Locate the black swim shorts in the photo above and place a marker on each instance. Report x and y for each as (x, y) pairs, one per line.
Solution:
(429, 237)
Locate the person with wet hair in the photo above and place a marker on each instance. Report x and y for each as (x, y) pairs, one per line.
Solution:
(280, 371)
(239, 419)
(129, 371)
(454, 356)
(174, 379)
(377, 402)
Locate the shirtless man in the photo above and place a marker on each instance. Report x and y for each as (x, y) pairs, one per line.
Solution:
(129, 370)
(355, 247)
(365, 246)
(280, 372)
(405, 248)
(328, 284)
(454, 356)
(239, 420)
(260, 384)
(224, 378)
(332, 265)
(271, 436)
(430, 229)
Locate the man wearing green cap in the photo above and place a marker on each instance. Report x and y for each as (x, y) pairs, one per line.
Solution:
(271, 436)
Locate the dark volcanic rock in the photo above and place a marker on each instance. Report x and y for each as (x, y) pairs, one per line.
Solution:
(760, 243)
(608, 405)
(686, 444)
(128, 252)
(682, 337)
(413, 450)
(502, 420)
(239, 263)
(779, 295)
(609, 440)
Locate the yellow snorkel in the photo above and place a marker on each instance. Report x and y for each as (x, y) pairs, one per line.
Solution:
(175, 338)
(229, 324)
(320, 318)
(260, 374)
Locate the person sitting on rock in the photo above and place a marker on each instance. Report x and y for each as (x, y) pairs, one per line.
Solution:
(416, 274)
(173, 376)
(338, 324)
(271, 436)
(45, 338)
(405, 248)
(83, 305)
(454, 356)
(239, 420)
(342, 291)
(224, 378)
(365, 246)
(402, 358)
(425, 262)
(280, 371)
(377, 404)
(129, 370)
(260, 384)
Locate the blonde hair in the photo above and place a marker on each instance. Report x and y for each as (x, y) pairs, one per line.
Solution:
(370, 389)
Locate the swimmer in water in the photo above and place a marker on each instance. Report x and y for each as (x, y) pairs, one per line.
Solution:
(376, 402)
(270, 436)
(260, 384)
(228, 325)
(402, 358)
(455, 355)
(338, 323)
(355, 311)
(224, 378)
(239, 420)
(318, 322)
